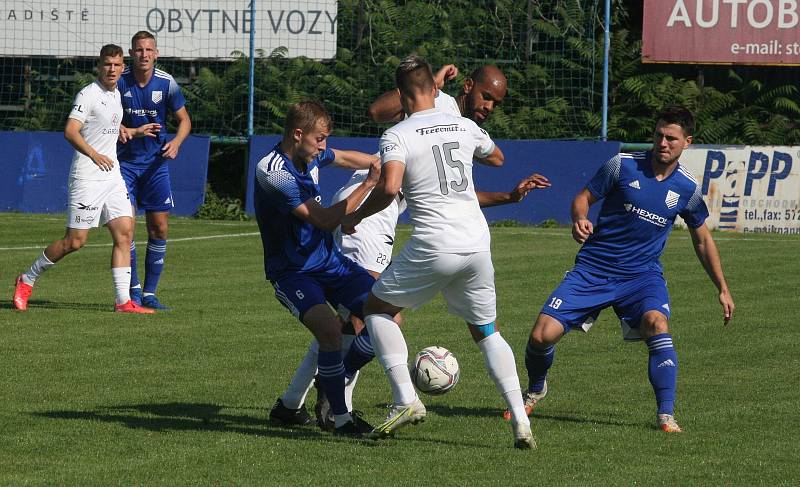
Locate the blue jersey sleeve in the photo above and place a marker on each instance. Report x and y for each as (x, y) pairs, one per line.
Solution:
(176, 100)
(280, 188)
(696, 211)
(605, 178)
(325, 158)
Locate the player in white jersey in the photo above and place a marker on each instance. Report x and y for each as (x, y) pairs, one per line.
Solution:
(430, 156)
(97, 193)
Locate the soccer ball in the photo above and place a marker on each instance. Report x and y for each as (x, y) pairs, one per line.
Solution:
(435, 371)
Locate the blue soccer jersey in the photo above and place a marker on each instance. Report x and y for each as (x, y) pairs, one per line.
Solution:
(291, 244)
(148, 104)
(637, 214)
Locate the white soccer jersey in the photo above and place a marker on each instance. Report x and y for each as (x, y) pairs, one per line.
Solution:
(100, 111)
(446, 103)
(437, 149)
(371, 245)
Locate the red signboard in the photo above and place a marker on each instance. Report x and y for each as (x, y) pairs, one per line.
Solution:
(721, 31)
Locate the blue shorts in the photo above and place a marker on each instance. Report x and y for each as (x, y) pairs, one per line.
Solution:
(346, 286)
(148, 186)
(580, 297)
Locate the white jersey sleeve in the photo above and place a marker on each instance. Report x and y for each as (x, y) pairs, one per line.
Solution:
(446, 103)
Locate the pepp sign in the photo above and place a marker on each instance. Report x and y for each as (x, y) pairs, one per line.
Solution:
(187, 29)
(721, 31)
(748, 188)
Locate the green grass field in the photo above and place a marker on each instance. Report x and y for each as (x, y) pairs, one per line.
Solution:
(93, 398)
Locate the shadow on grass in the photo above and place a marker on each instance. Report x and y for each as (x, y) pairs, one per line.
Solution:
(538, 415)
(45, 304)
(179, 416)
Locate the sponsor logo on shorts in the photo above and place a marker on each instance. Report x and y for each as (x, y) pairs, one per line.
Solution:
(84, 219)
(85, 207)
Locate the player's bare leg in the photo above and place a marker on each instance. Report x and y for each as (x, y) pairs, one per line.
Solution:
(73, 240)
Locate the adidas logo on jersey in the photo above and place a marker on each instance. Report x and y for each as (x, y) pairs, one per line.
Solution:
(666, 363)
(635, 184)
(128, 94)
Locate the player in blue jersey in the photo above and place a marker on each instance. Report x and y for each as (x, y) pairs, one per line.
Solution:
(148, 95)
(301, 260)
(619, 266)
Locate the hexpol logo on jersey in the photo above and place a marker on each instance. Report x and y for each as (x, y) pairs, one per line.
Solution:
(156, 96)
(672, 199)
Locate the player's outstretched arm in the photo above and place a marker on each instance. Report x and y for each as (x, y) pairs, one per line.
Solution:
(495, 159)
(385, 191)
(331, 217)
(386, 108)
(525, 186)
(171, 148)
(72, 132)
(352, 159)
(707, 252)
(581, 225)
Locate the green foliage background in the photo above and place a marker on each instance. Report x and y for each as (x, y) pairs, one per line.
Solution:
(551, 52)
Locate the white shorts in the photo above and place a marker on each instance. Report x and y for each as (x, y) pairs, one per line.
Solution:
(371, 251)
(94, 203)
(465, 280)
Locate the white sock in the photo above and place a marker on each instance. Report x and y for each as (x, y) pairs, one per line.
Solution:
(122, 283)
(41, 264)
(303, 379)
(502, 368)
(392, 353)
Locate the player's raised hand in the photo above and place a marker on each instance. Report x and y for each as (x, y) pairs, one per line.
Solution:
(148, 130)
(445, 74)
(104, 162)
(581, 229)
(525, 186)
(726, 300)
(374, 173)
(124, 134)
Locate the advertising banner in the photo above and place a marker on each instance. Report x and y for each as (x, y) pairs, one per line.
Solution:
(34, 170)
(187, 29)
(721, 31)
(748, 188)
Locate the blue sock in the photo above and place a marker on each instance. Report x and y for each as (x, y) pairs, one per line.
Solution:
(662, 369)
(359, 355)
(134, 275)
(538, 362)
(154, 263)
(331, 379)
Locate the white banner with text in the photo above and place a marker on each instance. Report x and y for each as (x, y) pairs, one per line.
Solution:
(748, 188)
(187, 29)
